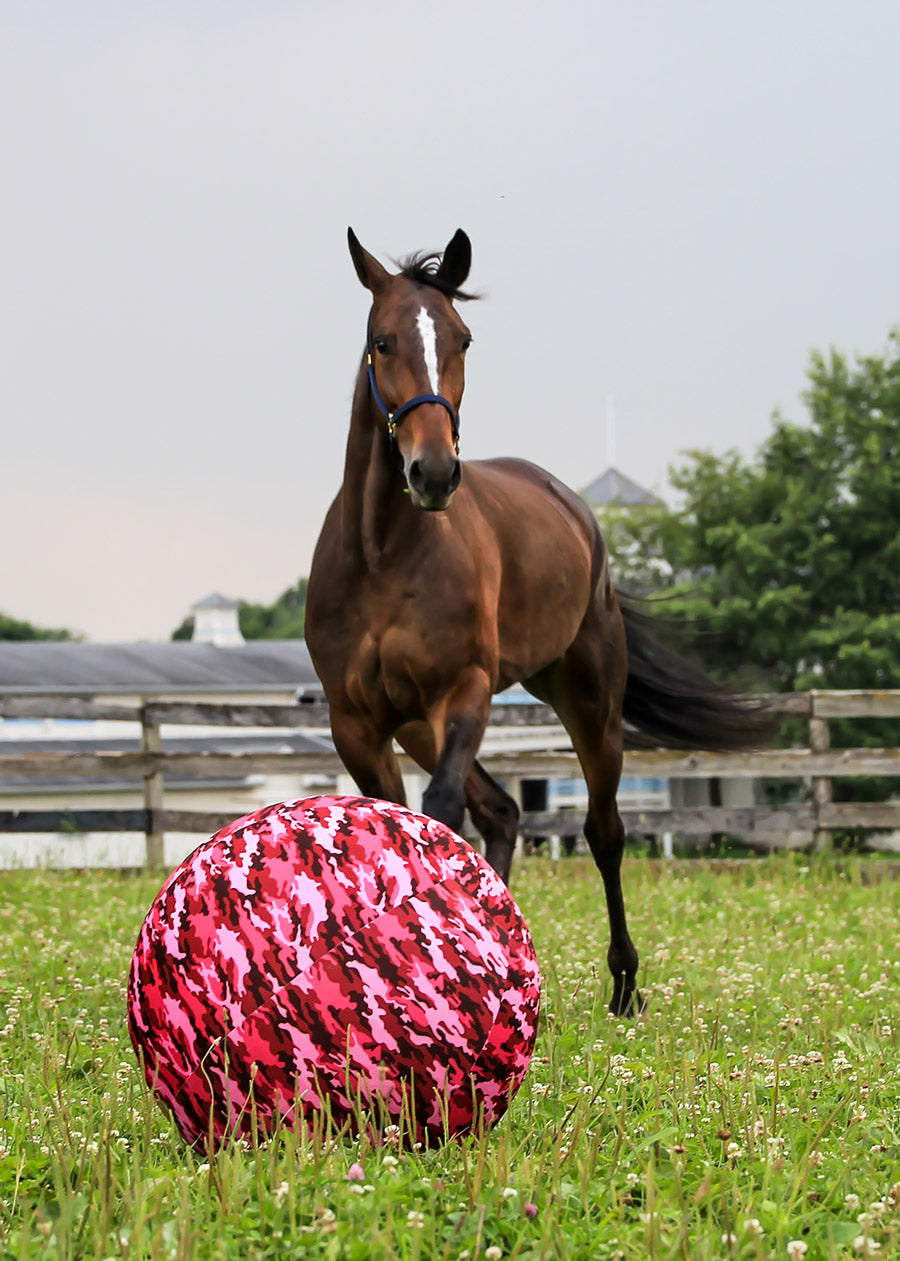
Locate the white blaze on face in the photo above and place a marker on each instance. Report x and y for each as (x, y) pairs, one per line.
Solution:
(425, 325)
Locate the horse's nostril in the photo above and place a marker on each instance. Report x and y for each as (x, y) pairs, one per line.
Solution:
(435, 480)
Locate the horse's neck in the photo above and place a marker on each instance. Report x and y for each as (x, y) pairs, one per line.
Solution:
(371, 480)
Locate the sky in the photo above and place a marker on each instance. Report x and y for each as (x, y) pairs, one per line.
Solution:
(670, 202)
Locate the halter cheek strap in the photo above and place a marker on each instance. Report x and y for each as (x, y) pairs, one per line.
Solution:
(393, 418)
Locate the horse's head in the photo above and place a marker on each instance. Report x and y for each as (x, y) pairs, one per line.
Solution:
(416, 347)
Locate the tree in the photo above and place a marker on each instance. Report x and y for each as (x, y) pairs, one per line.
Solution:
(791, 560)
(12, 629)
(281, 620)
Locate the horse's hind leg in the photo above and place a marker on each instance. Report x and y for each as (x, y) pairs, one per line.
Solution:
(605, 834)
(585, 689)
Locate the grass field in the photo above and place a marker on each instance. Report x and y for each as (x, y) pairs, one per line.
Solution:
(753, 1112)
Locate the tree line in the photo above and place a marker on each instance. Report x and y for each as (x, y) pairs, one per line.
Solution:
(787, 566)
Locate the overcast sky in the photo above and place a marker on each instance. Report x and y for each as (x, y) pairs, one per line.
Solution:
(669, 202)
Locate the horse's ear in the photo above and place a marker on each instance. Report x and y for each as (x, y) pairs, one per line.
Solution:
(457, 260)
(370, 271)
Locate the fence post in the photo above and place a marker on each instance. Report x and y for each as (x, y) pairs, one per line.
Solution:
(819, 742)
(153, 793)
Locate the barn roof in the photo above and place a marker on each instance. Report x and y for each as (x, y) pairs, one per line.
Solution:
(613, 487)
(259, 666)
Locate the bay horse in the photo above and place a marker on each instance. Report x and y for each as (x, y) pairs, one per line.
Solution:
(435, 585)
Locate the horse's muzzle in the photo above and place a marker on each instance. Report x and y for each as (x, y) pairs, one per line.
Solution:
(432, 482)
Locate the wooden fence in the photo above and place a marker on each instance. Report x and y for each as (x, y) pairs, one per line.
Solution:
(760, 826)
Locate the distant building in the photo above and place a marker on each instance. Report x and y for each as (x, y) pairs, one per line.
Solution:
(216, 622)
(613, 487)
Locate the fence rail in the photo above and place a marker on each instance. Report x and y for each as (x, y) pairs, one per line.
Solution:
(817, 764)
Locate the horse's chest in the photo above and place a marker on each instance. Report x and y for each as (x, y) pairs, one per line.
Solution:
(407, 651)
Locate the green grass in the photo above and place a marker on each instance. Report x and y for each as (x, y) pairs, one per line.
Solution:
(753, 1110)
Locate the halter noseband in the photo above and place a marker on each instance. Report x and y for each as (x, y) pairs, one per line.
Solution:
(393, 418)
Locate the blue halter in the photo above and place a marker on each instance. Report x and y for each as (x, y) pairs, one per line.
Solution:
(393, 418)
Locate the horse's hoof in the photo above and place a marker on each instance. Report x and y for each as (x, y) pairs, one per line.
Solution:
(629, 1006)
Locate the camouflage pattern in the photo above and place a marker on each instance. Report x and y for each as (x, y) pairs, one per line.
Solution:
(334, 955)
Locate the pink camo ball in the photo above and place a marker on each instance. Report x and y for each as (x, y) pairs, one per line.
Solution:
(329, 954)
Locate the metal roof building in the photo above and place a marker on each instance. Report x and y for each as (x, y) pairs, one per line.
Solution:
(263, 666)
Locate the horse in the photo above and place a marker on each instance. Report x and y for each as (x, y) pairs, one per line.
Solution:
(436, 584)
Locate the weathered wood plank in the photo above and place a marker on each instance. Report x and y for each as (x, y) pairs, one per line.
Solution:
(862, 814)
(312, 714)
(787, 702)
(866, 703)
(767, 763)
(763, 763)
(689, 821)
(118, 765)
(742, 820)
(222, 714)
(66, 707)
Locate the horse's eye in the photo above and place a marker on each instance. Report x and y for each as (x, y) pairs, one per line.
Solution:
(380, 345)
(467, 342)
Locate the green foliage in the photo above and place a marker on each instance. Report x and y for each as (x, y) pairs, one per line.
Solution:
(185, 629)
(754, 1105)
(281, 620)
(13, 629)
(793, 559)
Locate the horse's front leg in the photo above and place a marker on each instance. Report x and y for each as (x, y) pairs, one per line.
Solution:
(368, 754)
(458, 723)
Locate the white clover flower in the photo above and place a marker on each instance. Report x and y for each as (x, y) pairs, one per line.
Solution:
(493, 1253)
(753, 1226)
(797, 1249)
(852, 1202)
(509, 1193)
(866, 1246)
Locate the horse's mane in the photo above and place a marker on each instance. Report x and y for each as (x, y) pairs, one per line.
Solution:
(422, 269)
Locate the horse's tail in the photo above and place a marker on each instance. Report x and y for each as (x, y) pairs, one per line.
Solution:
(671, 701)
